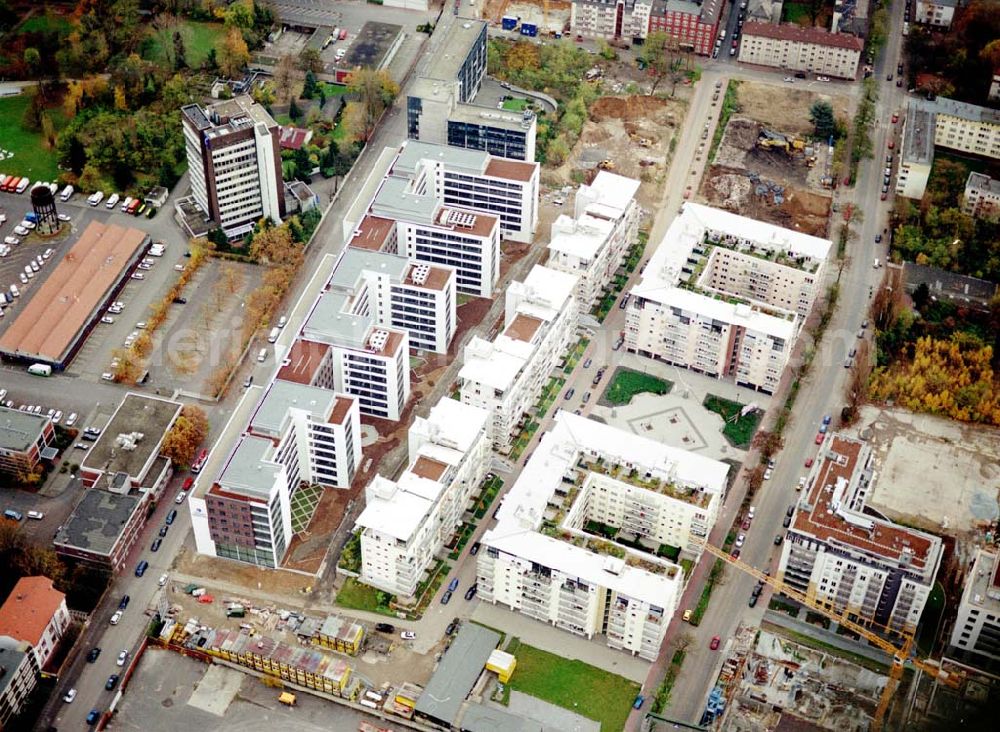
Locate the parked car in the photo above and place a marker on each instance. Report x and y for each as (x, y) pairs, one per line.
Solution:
(570, 393)
(123, 603)
(180, 497)
(446, 597)
(740, 540)
(471, 592)
(385, 628)
(116, 617)
(92, 654)
(819, 438)
(112, 682)
(155, 546)
(716, 641)
(475, 549)
(70, 696)
(122, 657)
(92, 716)
(164, 529)
(778, 539)
(408, 635)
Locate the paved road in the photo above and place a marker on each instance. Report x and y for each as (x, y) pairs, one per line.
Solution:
(823, 394)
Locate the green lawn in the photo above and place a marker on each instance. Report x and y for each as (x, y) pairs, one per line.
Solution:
(358, 596)
(795, 13)
(738, 430)
(199, 38)
(46, 22)
(515, 105)
(29, 157)
(574, 685)
(626, 383)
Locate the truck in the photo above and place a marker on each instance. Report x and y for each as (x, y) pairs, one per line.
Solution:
(236, 611)
(200, 462)
(40, 369)
(11, 183)
(66, 194)
(529, 29)
(508, 22)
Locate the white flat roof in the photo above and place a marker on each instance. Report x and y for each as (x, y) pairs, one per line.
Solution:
(582, 237)
(742, 315)
(524, 506)
(612, 193)
(397, 516)
(494, 364)
(542, 294)
(452, 425)
(761, 233)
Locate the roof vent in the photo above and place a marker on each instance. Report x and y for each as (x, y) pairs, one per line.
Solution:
(420, 273)
(378, 340)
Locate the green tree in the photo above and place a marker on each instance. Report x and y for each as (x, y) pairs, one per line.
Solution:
(32, 58)
(310, 88)
(293, 110)
(310, 60)
(373, 91)
(921, 296)
(823, 120)
(180, 53)
(239, 15)
(233, 53)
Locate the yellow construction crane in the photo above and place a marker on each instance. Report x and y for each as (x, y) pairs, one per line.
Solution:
(900, 654)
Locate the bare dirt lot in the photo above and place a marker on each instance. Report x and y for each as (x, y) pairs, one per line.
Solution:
(634, 133)
(786, 106)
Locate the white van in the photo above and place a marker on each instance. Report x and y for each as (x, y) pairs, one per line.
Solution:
(14, 291)
(95, 198)
(36, 515)
(66, 194)
(262, 356)
(112, 200)
(875, 264)
(126, 203)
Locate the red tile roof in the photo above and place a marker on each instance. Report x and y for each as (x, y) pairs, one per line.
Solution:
(802, 34)
(29, 609)
(884, 539)
(292, 138)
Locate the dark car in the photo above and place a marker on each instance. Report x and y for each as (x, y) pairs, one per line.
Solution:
(570, 393)
(639, 700)
(475, 549)
(787, 522)
(385, 628)
(164, 529)
(778, 539)
(753, 600)
(124, 602)
(155, 546)
(446, 597)
(141, 568)
(180, 301)
(92, 654)
(452, 626)
(111, 682)
(93, 716)
(453, 585)
(471, 592)
(586, 364)
(171, 516)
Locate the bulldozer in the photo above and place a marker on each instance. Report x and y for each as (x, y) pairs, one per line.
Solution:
(606, 165)
(769, 140)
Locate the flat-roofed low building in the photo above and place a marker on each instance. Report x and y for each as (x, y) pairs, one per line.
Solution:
(875, 572)
(982, 197)
(916, 152)
(35, 612)
(130, 444)
(103, 527)
(59, 315)
(726, 295)
(505, 376)
(798, 48)
(975, 637)
(540, 559)
(938, 13)
(457, 675)
(25, 440)
(407, 521)
(593, 244)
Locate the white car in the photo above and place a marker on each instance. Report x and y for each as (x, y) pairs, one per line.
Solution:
(180, 497)
(57, 416)
(115, 618)
(141, 325)
(108, 319)
(118, 304)
(179, 267)
(64, 217)
(802, 483)
(740, 540)
(11, 241)
(70, 696)
(121, 657)
(790, 80)
(408, 635)
(71, 419)
(47, 253)
(20, 231)
(768, 473)
(162, 581)
(751, 512)
(138, 276)
(822, 78)
(108, 376)
(144, 266)
(24, 279)
(28, 224)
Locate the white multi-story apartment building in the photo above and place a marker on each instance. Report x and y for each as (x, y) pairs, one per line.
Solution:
(506, 376)
(877, 573)
(725, 295)
(18, 676)
(938, 13)
(430, 232)
(241, 507)
(475, 180)
(35, 612)
(344, 349)
(234, 158)
(945, 123)
(412, 296)
(977, 623)
(610, 19)
(541, 560)
(317, 432)
(407, 521)
(799, 48)
(593, 244)
(982, 197)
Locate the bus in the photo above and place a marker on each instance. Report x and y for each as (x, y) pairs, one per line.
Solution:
(200, 462)
(40, 369)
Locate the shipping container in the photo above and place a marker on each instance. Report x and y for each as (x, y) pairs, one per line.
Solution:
(508, 22)
(529, 29)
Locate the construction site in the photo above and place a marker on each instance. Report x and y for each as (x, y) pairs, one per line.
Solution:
(778, 683)
(629, 135)
(549, 16)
